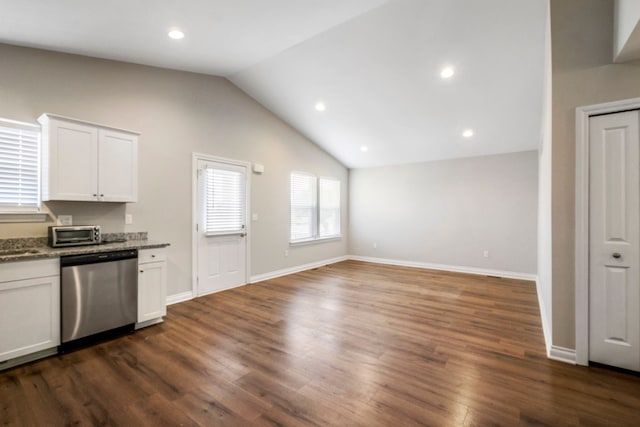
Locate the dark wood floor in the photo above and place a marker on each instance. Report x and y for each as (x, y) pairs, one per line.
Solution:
(352, 344)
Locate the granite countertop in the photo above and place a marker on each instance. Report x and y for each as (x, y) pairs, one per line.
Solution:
(24, 249)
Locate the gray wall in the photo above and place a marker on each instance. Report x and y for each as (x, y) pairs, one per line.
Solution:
(449, 212)
(582, 44)
(178, 113)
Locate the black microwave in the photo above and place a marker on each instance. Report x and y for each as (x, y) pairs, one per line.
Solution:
(68, 235)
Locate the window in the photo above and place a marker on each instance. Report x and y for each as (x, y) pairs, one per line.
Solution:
(303, 206)
(329, 222)
(315, 207)
(19, 167)
(224, 201)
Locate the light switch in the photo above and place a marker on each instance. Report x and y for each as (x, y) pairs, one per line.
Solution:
(128, 219)
(254, 217)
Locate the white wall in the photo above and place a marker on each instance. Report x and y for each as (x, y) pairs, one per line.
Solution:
(544, 200)
(626, 29)
(178, 113)
(448, 212)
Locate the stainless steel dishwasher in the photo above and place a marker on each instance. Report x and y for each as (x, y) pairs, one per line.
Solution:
(98, 294)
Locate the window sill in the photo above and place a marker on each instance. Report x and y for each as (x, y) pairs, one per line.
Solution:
(315, 241)
(8, 217)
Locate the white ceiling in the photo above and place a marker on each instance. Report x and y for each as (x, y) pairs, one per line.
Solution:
(374, 63)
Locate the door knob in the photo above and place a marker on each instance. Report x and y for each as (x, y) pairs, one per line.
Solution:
(616, 255)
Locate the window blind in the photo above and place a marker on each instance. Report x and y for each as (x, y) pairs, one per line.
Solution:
(19, 167)
(224, 201)
(303, 206)
(329, 223)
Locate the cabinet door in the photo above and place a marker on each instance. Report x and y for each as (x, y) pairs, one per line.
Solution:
(73, 161)
(118, 166)
(152, 291)
(29, 316)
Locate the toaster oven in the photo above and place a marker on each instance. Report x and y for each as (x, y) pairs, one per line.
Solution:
(67, 235)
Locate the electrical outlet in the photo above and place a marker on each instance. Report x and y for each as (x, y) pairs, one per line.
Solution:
(128, 219)
(286, 252)
(65, 220)
(375, 245)
(485, 254)
(254, 217)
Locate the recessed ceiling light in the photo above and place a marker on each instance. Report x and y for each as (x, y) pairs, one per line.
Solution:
(364, 148)
(447, 72)
(176, 34)
(320, 106)
(468, 133)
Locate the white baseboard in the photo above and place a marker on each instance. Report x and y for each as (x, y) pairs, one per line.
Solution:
(296, 269)
(445, 267)
(228, 288)
(562, 354)
(546, 327)
(176, 298)
(149, 323)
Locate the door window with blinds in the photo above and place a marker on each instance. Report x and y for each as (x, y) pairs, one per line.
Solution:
(315, 207)
(19, 167)
(224, 201)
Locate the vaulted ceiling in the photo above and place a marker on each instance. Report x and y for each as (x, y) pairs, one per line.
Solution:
(374, 65)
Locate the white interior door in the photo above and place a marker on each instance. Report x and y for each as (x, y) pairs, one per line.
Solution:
(614, 237)
(221, 228)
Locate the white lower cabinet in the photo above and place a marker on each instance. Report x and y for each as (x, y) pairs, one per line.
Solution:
(29, 307)
(152, 286)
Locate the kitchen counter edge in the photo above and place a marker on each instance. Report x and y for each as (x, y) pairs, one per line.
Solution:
(45, 252)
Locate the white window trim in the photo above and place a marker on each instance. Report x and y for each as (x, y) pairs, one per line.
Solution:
(316, 238)
(14, 217)
(305, 242)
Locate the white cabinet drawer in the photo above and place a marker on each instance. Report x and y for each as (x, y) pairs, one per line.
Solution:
(20, 270)
(152, 255)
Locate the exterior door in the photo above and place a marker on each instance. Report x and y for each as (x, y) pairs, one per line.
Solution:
(221, 227)
(614, 237)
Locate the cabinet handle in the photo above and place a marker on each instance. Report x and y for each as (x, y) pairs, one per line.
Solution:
(141, 271)
(102, 195)
(153, 256)
(95, 195)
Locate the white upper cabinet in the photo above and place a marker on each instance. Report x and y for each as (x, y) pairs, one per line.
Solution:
(88, 162)
(117, 166)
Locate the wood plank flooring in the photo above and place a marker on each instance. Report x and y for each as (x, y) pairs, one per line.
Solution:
(351, 344)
